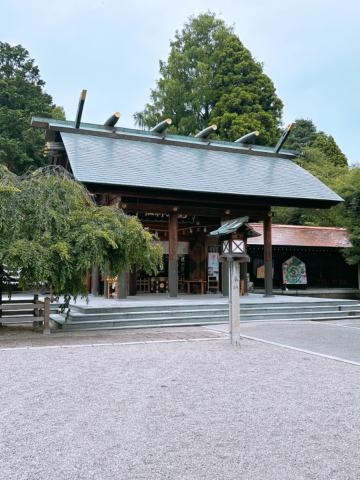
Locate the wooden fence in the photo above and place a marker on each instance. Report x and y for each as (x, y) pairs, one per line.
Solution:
(26, 311)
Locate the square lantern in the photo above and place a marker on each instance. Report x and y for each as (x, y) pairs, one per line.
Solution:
(233, 245)
(233, 239)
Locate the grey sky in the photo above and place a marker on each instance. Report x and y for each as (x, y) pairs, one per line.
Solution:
(309, 48)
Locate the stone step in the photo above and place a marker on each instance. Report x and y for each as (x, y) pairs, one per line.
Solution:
(136, 322)
(302, 308)
(143, 315)
(264, 311)
(327, 303)
(301, 318)
(147, 308)
(117, 317)
(220, 305)
(298, 314)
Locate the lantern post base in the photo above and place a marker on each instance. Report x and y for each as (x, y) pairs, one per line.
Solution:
(234, 296)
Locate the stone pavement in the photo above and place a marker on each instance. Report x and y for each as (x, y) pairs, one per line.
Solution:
(336, 339)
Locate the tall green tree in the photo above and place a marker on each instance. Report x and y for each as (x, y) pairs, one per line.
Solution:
(305, 136)
(302, 135)
(22, 95)
(52, 232)
(349, 189)
(210, 77)
(319, 154)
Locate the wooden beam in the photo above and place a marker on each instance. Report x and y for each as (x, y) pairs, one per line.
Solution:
(174, 198)
(80, 108)
(208, 198)
(133, 207)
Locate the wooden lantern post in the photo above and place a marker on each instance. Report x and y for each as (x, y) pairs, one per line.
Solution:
(233, 236)
(234, 301)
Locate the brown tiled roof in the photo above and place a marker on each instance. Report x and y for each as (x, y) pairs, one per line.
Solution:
(303, 236)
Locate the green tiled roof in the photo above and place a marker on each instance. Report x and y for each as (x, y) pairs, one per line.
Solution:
(91, 128)
(233, 225)
(160, 164)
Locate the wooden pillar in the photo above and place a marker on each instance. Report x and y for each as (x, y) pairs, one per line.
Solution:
(268, 256)
(173, 260)
(122, 285)
(106, 281)
(46, 327)
(243, 278)
(95, 281)
(132, 283)
(234, 301)
(106, 286)
(225, 279)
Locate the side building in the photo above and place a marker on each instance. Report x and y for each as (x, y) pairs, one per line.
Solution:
(320, 251)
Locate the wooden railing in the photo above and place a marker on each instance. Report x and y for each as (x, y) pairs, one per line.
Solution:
(24, 311)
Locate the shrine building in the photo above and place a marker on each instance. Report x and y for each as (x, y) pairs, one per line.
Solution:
(318, 248)
(181, 188)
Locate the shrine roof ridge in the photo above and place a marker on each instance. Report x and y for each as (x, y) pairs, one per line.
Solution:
(151, 136)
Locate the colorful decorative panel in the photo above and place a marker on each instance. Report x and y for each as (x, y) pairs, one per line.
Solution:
(294, 272)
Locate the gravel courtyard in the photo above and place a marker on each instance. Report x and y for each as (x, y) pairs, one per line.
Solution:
(177, 410)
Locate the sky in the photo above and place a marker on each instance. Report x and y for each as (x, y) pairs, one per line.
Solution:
(309, 48)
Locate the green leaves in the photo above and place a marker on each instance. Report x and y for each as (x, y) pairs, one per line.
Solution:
(320, 155)
(209, 75)
(21, 97)
(53, 233)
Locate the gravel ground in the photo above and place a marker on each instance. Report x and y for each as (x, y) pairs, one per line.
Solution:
(178, 410)
(20, 336)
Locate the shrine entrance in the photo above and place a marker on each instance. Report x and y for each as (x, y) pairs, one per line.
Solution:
(198, 268)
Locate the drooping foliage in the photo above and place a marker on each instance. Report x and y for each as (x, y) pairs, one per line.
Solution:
(210, 77)
(22, 95)
(52, 233)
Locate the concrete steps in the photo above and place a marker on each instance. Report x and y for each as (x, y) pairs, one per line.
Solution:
(316, 310)
(117, 317)
(165, 315)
